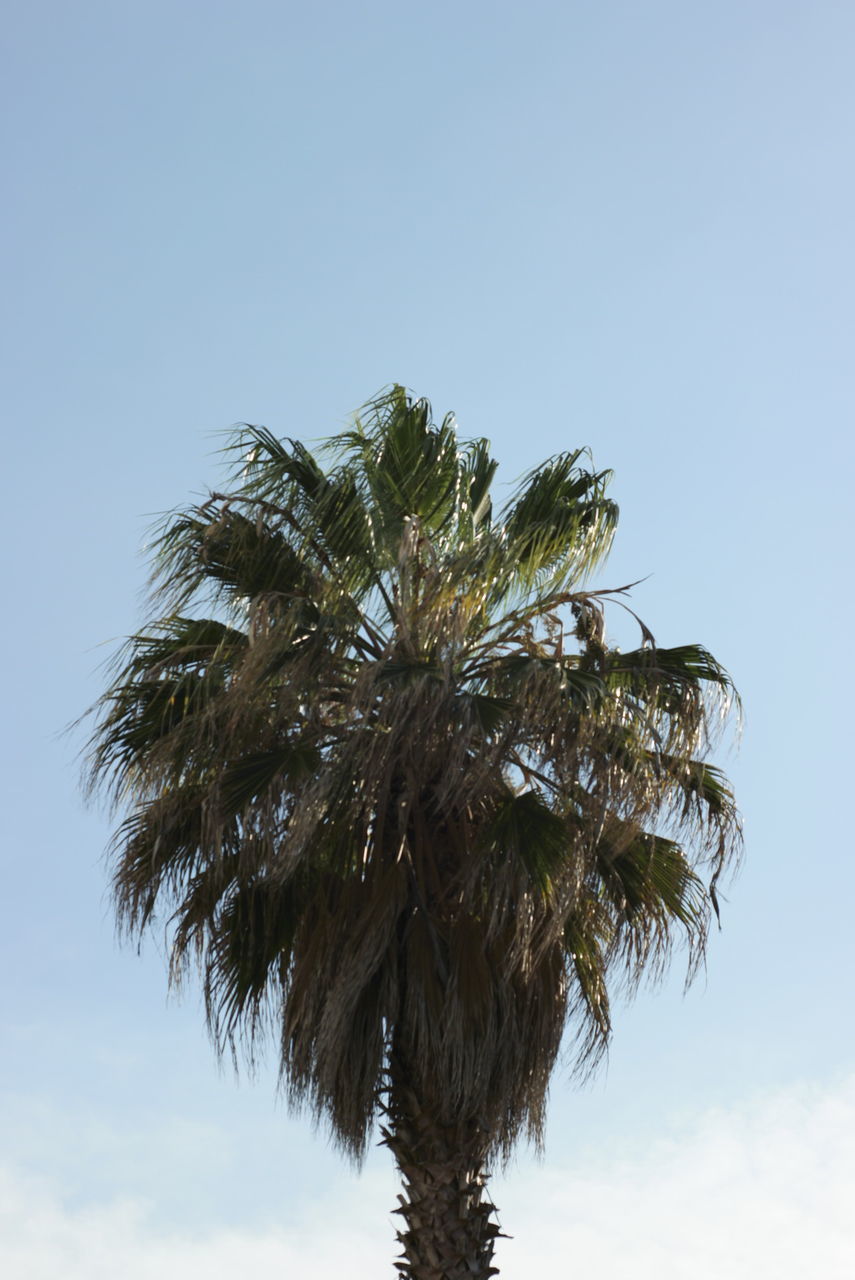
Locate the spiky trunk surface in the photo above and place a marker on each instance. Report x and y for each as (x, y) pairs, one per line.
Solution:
(449, 1233)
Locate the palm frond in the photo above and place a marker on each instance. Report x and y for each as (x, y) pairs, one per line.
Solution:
(558, 527)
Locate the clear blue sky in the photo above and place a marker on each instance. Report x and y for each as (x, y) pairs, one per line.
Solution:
(622, 225)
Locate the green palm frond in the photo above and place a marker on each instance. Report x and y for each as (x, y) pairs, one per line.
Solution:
(526, 830)
(559, 526)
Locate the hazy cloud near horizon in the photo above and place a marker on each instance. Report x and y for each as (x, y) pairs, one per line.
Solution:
(760, 1191)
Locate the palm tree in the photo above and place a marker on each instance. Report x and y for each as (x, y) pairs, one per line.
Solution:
(398, 798)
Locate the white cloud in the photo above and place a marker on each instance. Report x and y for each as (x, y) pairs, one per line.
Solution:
(42, 1238)
(763, 1190)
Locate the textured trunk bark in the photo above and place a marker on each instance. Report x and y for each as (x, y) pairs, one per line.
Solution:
(448, 1233)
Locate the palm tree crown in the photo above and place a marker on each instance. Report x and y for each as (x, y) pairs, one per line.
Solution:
(391, 786)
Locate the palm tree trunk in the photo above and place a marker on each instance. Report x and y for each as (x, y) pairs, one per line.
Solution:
(448, 1232)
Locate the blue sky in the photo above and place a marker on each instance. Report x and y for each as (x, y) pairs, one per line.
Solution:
(626, 226)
